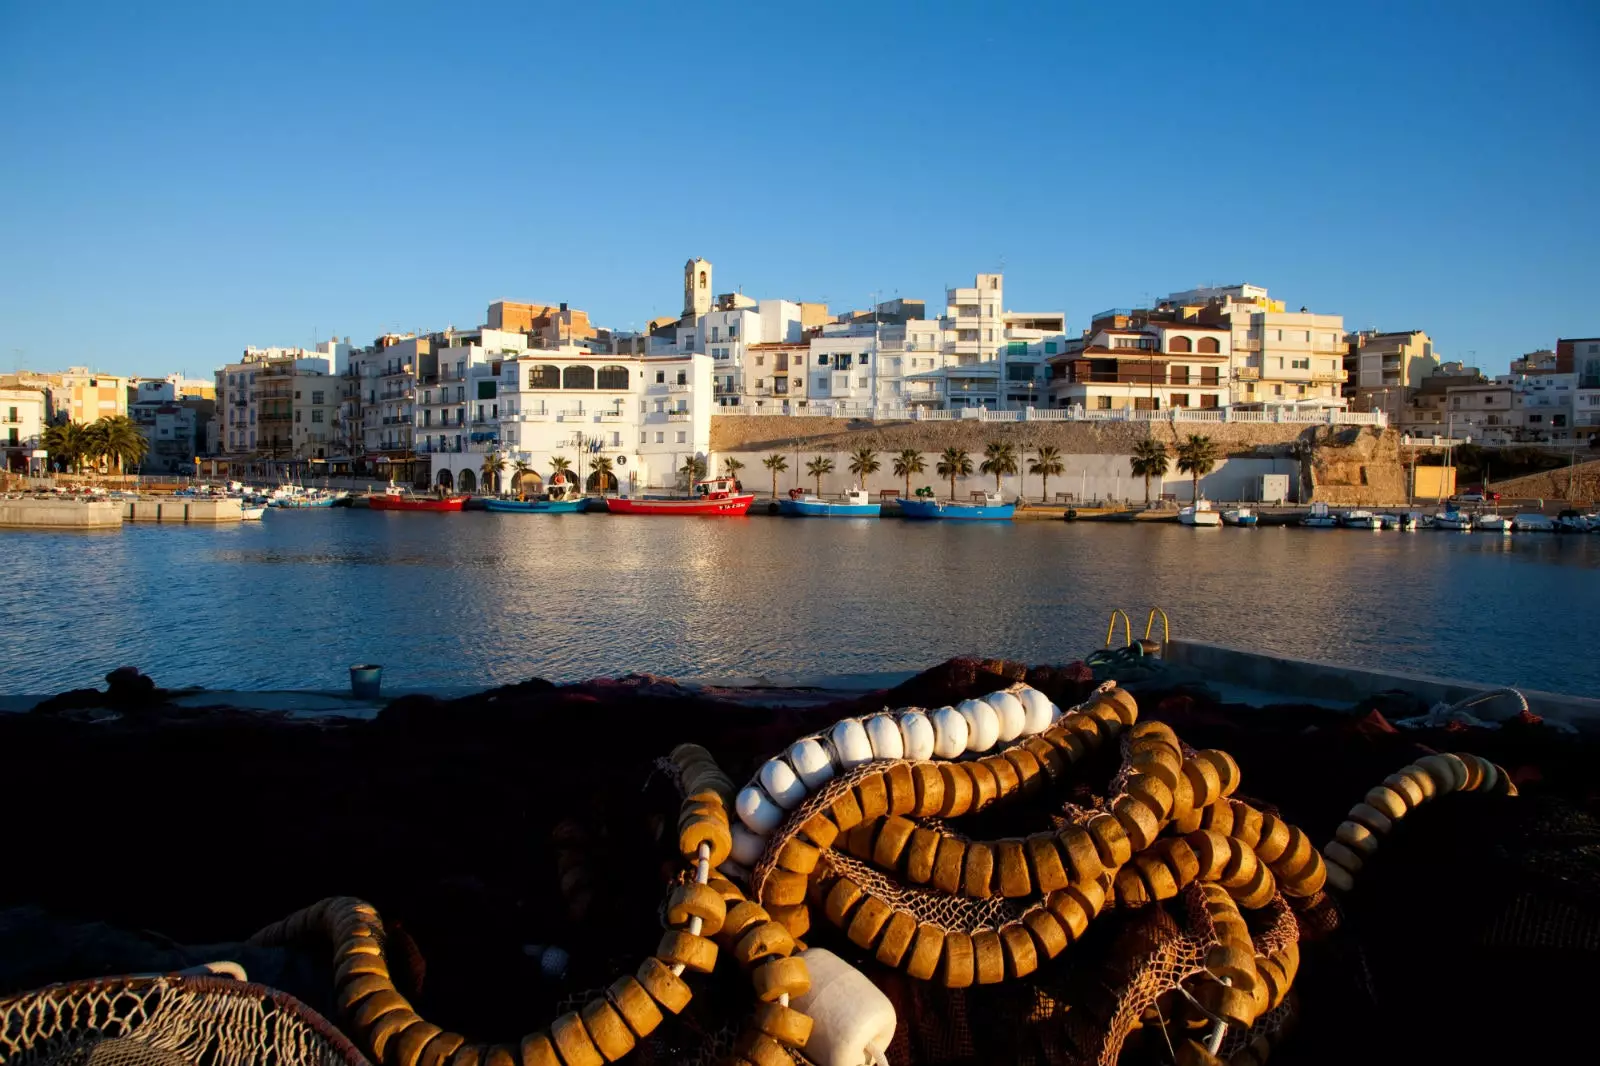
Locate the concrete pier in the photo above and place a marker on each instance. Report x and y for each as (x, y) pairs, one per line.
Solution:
(176, 509)
(69, 514)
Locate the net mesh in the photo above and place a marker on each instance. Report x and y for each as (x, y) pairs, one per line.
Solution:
(167, 1021)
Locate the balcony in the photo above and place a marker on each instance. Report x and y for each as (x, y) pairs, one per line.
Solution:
(1247, 346)
(1247, 373)
(677, 416)
(679, 386)
(1330, 379)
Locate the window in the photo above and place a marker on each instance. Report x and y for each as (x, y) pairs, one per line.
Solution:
(316, 416)
(1280, 362)
(661, 407)
(297, 416)
(1536, 418)
(616, 440)
(661, 377)
(760, 382)
(822, 360)
(1180, 344)
(1300, 364)
(822, 382)
(661, 438)
(861, 383)
(1278, 334)
(316, 397)
(761, 360)
(297, 394)
(1208, 346)
(683, 377)
(862, 358)
(1277, 390)
(1102, 403)
(1455, 401)
(1300, 389)
(612, 377)
(577, 377)
(1306, 336)
(1180, 399)
(683, 437)
(715, 333)
(1050, 347)
(1208, 401)
(733, 330)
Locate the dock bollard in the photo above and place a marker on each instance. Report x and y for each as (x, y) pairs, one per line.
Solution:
(365, 681)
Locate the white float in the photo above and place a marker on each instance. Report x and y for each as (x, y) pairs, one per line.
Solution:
(852, 1021)
(983, 725)
(1012, 714)
(780, 782)
(917, 734)
(810, 759)
(950, 733)
(883, 732)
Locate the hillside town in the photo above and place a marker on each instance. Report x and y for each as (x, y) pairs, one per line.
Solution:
(535, 378)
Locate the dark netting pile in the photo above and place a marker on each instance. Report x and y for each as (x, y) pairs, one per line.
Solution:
(491, 829)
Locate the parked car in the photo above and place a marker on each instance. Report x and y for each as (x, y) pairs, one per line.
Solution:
(1474, 495)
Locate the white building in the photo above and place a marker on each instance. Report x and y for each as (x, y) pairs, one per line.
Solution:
(1125, 363)
(457, 406)
(23, 416)
(255, 400)
(648, 415)
(1281, 358)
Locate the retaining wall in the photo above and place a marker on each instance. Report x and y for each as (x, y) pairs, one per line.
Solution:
(174, 510)
(60, 514)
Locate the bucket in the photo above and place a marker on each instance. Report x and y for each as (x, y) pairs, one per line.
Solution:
(365, 681)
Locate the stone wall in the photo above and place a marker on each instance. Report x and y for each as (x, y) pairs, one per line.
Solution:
(1355, 466)
(1583, 481)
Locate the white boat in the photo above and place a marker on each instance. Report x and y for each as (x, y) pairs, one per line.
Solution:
(1239, 516)
(1492, 523)
(1570, 521)
(1199, 513)
(1411, 520)
(1452, 520)
(251, 514)
(1362, 520)
(1533, 522)
(1319, 517)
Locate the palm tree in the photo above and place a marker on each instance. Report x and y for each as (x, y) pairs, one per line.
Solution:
(65, 442)
(602, 475)
(95, 444)
(1197, 457)
(817, 467)
(909, 462)
(561, 466)
(1149, 460)
(864, 461)
(1047, 466)
(731, 467)
(494, 464)
(519, 471)
(125, 443)
(692, 470)
(953, 463)
(999, 459)
(777, 464)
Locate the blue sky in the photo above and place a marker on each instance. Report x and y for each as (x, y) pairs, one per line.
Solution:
(181, 182)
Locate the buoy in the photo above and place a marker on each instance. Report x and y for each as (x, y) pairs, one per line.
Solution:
(852, 1021)
(1040, 712)
(747, 846)
(850, 744)
(983, 724)
(757, 811)
(1012, 714)
(916, 732)
(782, 784)
(811, 761)
(950, 732)
(883, 732)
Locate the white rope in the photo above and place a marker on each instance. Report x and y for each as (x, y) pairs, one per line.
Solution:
(702, 875)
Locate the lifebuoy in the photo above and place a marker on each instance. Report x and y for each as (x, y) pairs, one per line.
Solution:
(559, 479)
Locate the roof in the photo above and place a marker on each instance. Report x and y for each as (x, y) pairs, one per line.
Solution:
(1135, 353)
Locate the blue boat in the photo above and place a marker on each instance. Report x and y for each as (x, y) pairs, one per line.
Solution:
(563, 498)
(990, 510)
(577, 506)
(297, 502)
(857, 504)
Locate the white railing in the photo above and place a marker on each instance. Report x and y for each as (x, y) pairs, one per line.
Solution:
(1306, 416)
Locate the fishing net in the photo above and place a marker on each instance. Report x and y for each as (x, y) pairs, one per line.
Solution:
(167, 1021)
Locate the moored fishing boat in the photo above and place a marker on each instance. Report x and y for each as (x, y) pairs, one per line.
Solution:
(1359, 519)
(1534, 522)
(562, 498)
(251, 514)
(718, 496)
(857, 504)
(1240, 516)
(1199, 513)
(399, 498)
(1319, 517)
(1492, 523)
(1452, 520)
(992, 509)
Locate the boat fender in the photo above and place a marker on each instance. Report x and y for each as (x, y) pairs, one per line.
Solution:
(747, 846)
(810, 759)
(950, 732)
(852, 1021)
(917, 735)
(983, 725)
(1012, 714)
(757, 811)
(1040, 711)
(851, 747)
(780, 782)
(884, 734)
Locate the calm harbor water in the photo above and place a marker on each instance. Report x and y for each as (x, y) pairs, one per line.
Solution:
(467, 601)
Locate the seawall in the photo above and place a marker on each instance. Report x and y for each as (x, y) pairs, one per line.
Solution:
(44, 514)
(172, 509)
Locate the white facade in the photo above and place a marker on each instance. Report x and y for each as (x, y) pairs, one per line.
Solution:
(1280, 357)
(22, 422)
(646, 414)
(459, 406)
(1545, 404)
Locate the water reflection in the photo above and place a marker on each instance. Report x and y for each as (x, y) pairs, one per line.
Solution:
(476, 599)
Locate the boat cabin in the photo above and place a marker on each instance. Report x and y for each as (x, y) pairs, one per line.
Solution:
(716, 488)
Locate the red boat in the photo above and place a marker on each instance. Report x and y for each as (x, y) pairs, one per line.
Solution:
(716, 496)
(397, 498)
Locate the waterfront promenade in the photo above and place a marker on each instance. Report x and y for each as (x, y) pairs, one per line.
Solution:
(292, 601)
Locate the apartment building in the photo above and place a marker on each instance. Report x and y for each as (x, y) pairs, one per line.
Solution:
(1280, 357)
(87, 396)
(24, 412)
(1584, 354)
(775, 376)
(1427, 410)
(456, 405)
(256, 399)
(646, 414)
(1383, 370)
(1130, 362)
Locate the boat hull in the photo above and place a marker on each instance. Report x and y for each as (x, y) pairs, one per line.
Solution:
(728, 507)
(538, 506)
(1204, 518)
(969, 512)
(381, 502)
(252, 514)
(824, 509)
(296, 505)
(1230, 518)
